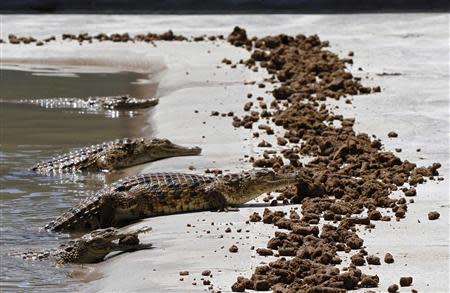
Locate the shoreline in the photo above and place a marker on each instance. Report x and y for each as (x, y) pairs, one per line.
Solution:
(178, 91)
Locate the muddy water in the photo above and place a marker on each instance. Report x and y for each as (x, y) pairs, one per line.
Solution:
(30, 134)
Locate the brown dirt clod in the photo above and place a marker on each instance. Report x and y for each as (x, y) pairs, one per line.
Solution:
(255, 217)
(392, 134)
(233, 249)
(388, 258)
(264, 251)
(373, 260)
(433, 215)
(239, 285)
(406, 281)
(393, 288)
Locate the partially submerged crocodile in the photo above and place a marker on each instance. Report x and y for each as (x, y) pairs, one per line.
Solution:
(124, 102)
(112, 155)
(92, 247)
(157, 194)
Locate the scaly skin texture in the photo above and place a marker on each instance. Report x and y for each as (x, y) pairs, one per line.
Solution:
(124, 102)
(113, 155)
(158, 194)
(92, 247)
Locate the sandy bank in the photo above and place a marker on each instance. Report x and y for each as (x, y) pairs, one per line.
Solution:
(415, 104)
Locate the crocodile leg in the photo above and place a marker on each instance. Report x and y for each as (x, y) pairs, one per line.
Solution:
(217, 200)
(121, 203)
(107, 216)
(111, 161)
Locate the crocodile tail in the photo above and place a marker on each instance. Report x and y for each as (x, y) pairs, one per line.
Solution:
(84, 216)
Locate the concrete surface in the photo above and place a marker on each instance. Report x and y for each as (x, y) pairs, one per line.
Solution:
(414, 104)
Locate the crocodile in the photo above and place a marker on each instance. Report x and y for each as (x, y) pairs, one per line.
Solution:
(92, 247)
(112, 155)
(124, 102)
(157, 194)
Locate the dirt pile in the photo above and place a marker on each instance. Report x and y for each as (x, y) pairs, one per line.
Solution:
(314, 254)
(350, 175)
(13, 39)
(114, 37)
(238, 37)
(125, 37)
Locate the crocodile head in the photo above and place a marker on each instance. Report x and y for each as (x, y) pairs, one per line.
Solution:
(93, 247)
(242, 187)
(129, 152)
(128, 103)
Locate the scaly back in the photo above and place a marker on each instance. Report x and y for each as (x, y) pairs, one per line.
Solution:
(88, 157)
(90, 213)
(78, 159)
(124, 102)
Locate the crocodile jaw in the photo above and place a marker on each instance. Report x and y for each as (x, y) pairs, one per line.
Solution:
(159, 149)
(95, 246)
(252, 184)
(173, 150)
